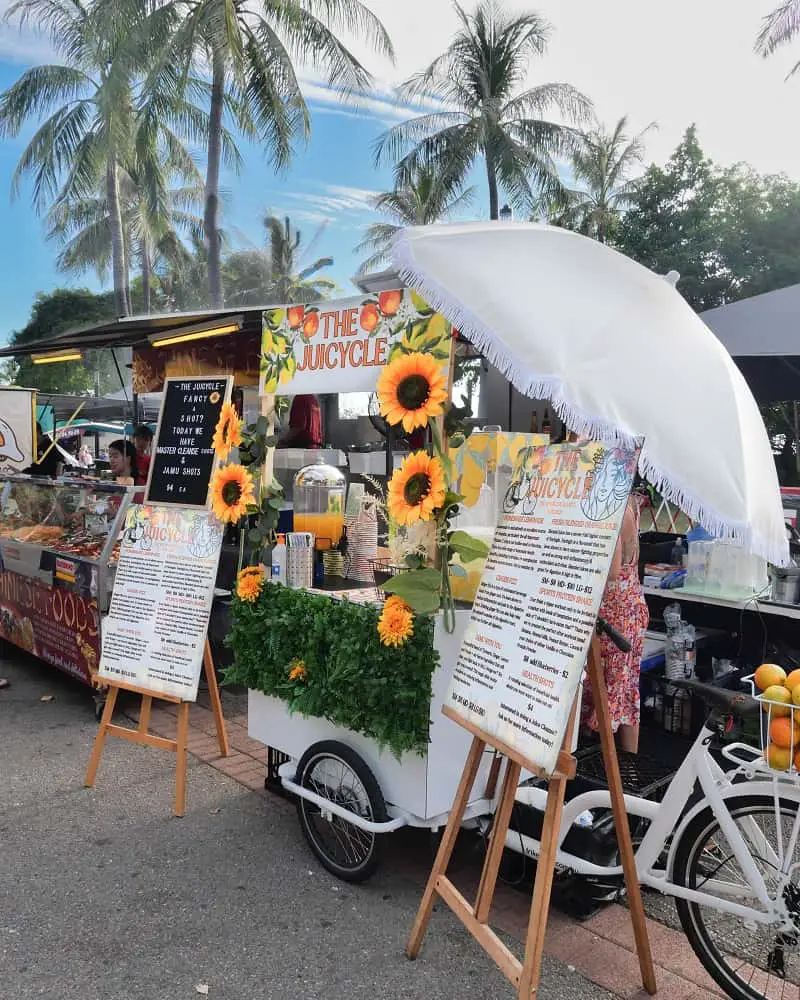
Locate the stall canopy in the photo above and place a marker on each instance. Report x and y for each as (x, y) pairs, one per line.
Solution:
(762, 335)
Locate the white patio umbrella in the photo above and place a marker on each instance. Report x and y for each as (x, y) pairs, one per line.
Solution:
(620, 355)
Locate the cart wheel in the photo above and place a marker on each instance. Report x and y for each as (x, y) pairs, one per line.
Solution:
(337, 773)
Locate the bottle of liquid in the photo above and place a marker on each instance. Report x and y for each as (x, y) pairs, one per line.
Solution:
(546, 423)
(279, 561)
(534, 423)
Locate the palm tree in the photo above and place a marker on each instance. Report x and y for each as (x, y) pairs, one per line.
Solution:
(483, 112)
(290, 280)
(418, 199)
(93, 121)
(601, 165)
(152, 239)
(779, 28)
(249, 46)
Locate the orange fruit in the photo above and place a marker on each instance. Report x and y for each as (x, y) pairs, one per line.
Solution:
(295, 316)
(784, 733)
(311, 325)
(793, 680)
(768, 675)
(797, 761)
(796, 694)
(776, 699)
(778, 757)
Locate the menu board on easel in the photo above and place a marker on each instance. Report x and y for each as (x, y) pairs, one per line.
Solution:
(534, 614)
(183, 455)
(155, 632)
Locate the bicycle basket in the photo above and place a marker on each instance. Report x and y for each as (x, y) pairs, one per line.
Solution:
(779, 730)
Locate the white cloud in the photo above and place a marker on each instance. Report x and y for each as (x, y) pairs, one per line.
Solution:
(334, 200)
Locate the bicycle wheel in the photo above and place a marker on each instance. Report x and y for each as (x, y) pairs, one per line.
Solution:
(337, 773)
(748, 961)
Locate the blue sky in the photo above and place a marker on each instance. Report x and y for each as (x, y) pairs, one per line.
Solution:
(688, 63)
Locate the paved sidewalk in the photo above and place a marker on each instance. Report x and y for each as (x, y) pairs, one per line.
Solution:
(602, 948)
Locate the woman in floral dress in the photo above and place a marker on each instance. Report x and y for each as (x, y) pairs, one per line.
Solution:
(624, 608)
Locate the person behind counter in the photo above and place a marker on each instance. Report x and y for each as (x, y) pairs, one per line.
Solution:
(142, 442)
(121, 460)
(623, 607)
(50, 464)
(305, 424)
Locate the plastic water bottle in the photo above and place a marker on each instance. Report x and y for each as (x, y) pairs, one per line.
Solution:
(279, 561)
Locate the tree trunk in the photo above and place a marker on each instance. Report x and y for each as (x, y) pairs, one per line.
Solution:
(211, 216)
(118, 265)
(146, 274)
(491, 176)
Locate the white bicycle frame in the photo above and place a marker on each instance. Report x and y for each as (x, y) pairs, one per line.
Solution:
(667, 820)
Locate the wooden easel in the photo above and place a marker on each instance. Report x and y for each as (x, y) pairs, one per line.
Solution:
(142, 734)
(525, 975)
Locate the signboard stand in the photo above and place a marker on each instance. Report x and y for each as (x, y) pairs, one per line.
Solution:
(143, 736)
(525, 975)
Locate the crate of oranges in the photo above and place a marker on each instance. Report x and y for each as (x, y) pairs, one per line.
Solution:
(779, 694)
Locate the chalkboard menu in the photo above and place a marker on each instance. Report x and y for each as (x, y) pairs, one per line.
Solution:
(183, 457)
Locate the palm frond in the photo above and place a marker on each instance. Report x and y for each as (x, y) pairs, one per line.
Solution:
(779, 28)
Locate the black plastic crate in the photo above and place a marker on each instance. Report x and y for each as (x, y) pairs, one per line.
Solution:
(669, 708)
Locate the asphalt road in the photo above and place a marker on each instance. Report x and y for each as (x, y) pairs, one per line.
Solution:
(104, 895)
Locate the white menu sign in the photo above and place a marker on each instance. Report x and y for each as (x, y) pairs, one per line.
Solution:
(155, 631)
(525, 647)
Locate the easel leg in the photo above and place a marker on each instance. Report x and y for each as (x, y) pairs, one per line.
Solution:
(180, 754)
(491, 866)
(545, 870)
(100, 738)
(216, 701)
(621, 819)
(144, 713)
(445, 847)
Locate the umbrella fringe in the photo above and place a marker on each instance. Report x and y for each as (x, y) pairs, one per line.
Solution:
(584, 424)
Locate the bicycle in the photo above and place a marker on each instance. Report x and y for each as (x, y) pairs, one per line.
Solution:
(723, 842)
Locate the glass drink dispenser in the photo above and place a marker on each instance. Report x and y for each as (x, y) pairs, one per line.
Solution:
(319, 496)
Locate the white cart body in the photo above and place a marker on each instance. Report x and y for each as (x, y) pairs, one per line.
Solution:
(419, 791)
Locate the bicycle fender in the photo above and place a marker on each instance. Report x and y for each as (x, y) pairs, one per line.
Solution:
(744, 789)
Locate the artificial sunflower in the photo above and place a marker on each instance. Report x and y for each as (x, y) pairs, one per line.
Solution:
(249, 584)
(298, 670)
(393, 601)
(231, 492)
(395, 625)
(411, 389)
(416, 489)
(228, 433)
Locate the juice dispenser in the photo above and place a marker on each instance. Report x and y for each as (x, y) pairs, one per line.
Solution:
(319, 492)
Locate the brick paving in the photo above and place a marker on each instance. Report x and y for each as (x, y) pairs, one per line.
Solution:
(601, 948)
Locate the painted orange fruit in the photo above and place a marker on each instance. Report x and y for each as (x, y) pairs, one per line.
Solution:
(369, 317)
(389, 302)
(311, 324)
(294, 316)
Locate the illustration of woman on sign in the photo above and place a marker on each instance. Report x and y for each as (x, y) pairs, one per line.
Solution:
(611, 484)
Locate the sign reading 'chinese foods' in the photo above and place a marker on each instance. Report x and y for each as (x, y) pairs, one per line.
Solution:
(525, 647)
(155, 630)
(183, 454)
(342, 346)
(59, 626)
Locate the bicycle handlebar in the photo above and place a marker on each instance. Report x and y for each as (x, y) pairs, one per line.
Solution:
(603, 628)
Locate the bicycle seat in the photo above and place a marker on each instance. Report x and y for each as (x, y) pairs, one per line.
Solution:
(737, 703)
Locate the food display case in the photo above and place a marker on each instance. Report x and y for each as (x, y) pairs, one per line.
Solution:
(59, 541)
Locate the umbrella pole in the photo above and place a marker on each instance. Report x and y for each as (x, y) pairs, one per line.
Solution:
(510, 404)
